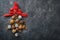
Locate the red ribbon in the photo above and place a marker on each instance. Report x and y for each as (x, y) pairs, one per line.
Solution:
(16, 10)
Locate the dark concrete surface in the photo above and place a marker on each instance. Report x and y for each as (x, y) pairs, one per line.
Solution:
(43, 22)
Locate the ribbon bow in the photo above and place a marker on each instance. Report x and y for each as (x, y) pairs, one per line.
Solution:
(15, 10)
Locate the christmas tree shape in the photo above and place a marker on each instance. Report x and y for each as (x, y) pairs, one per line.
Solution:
(16, 24)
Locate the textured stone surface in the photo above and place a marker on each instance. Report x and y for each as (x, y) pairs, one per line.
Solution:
(43, 21)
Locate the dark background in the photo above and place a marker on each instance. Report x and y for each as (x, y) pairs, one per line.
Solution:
(43, 22)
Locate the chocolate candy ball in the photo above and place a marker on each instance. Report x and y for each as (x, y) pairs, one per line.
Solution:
(24, 26)
(14, 30)
(17, 29)
(13, 27)
(20, 27)
(16, 25)
(11, 21)
(13, 17)
(17, 20)
(19, 17)
(16, 34)
(9, 26)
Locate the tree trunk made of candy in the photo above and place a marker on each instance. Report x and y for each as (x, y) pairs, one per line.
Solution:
(16, 23)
